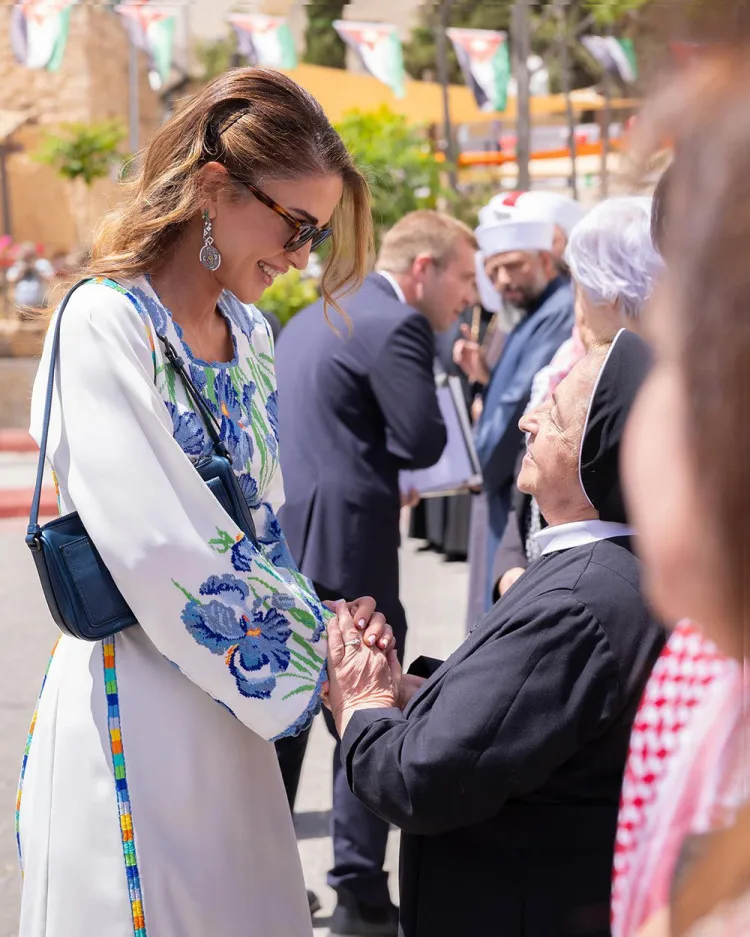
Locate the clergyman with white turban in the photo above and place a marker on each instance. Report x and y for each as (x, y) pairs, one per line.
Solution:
(518, 259)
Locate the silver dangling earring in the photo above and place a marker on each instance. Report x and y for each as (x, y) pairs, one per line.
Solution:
(209, 255)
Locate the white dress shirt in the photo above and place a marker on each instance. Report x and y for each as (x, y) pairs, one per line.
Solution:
(565, 536)
(395, 284)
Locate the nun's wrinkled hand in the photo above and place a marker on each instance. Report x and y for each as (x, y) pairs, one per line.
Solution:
(375, 630)
(358, 677)
(406, 684)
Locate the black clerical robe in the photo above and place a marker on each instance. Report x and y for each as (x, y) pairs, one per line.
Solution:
(504, 771)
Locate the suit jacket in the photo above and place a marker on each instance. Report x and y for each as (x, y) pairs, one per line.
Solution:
(354, 409)
(504, 770)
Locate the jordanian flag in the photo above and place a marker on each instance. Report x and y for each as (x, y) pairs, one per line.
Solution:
(264, 40)
(379, 48)
(485, 63)
(616, 56)
(151, 29)
(39, 32)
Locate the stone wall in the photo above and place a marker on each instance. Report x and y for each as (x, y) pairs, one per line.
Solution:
(16, 381)
(91, 85)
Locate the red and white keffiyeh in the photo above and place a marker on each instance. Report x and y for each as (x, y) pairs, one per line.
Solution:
(677, 771)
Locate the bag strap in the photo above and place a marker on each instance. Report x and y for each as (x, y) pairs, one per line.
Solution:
(33, 530)
(212, 424)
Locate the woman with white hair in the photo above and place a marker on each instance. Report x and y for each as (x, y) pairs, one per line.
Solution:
(614, 265)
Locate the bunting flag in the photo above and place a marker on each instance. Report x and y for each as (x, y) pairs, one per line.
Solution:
(485, 63)
(379, 47)
(39, 32)
(616, 56)
(264, 40)
(151, 29)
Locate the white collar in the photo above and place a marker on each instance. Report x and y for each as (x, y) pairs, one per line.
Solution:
(564, 536)
(395, 284)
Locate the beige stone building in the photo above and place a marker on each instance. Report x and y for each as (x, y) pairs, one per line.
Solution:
(91, 85)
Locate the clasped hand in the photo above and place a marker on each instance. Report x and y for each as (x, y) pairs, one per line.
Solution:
(363, 674)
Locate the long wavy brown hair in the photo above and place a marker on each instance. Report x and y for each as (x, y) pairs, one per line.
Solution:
(259, 125)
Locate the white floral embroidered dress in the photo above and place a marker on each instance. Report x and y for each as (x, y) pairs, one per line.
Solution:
(151, 801)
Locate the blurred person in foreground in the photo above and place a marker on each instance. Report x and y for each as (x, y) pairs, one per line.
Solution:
(689, 684)
(614, 267)
(694, 520)
(518, 260)
(354, 410)
(503, 767)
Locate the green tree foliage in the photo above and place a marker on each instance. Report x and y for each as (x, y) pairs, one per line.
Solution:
(216, 56)
(83, 152)
(288, 294)
(323, 45)
(607, 12)
(398, 161)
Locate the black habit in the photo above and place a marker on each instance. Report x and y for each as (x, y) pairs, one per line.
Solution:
(504, 771)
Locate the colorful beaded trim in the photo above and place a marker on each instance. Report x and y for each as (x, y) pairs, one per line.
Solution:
(121, 784)
(26, 751)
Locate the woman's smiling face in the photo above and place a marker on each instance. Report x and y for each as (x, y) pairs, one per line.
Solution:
(250, 236)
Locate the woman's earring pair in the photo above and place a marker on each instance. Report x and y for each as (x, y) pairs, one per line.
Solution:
(209, 255)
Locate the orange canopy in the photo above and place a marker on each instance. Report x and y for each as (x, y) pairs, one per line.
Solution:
(340, 92)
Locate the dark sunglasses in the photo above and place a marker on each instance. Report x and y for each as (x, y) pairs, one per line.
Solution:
(304, 230)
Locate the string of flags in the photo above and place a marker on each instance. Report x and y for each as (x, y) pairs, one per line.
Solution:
(39, 32)
(379, 48)
(485, 64)
(264, 40)
(616, 56)
(151, 29)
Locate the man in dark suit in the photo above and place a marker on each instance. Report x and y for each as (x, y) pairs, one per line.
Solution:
(354, 410)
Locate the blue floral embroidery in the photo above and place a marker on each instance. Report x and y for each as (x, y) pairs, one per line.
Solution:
(248, 642)
(198, 377)
(227, 398)
(271, 536)
(248, 392)
(242, 316)
(250, 490)
(243, 556)
(233, 433)
(154, 309)
(311, 710)
(272, 409)
(188, 431)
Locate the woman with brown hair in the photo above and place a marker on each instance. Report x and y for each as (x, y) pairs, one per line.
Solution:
(688, 457)
(146, 806)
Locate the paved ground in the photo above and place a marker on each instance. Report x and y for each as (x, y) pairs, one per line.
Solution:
(433, 593)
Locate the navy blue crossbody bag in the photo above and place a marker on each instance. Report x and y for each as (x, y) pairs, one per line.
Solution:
(80, 592)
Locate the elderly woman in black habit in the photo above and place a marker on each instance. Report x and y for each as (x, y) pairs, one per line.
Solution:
(502, 765)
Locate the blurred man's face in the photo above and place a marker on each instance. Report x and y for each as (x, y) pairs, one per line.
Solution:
(520, 276)
(447, 289)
